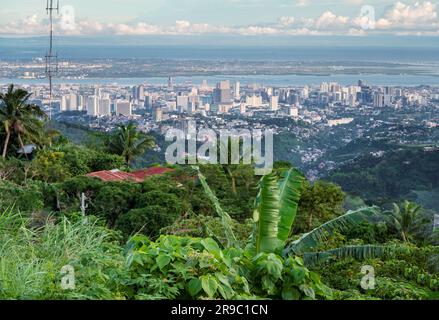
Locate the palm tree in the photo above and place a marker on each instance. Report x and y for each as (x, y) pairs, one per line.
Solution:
(129, 143)
(19, 118)
(404, 218)
(274, 214)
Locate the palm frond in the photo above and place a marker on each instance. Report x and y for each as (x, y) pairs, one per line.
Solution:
(345, 222)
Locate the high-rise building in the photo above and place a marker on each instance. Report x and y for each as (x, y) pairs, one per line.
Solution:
(182, 102)
(104, 107)
(191, 108)
(274, 103)
(324, 87)
(237, 90)
(222, 92)
(81, 103)
(294, 99)
(73, 102)
(305, 93)
(92, 106)
(148, 103)
(138, 93)
(123, 107)
(170, 84)
(171, 105)
(378, 99)
(157, 114)
(254, 101)
(64, 104)
(352, 100)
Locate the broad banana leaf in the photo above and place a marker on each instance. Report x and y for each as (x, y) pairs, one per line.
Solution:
(267, 214)
(358, 252)
(311, 240)
(290, 188)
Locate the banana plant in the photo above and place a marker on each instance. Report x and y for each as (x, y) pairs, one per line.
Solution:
(275, 210)
(309, 241)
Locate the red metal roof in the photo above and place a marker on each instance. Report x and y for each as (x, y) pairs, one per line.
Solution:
(137, 176)
(145, 173)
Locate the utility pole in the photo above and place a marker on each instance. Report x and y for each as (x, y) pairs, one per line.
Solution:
(51, 58)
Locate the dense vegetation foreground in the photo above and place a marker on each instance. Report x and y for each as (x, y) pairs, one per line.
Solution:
(207, 232)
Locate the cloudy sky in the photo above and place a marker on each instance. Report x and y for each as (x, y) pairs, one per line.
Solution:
(239, 17)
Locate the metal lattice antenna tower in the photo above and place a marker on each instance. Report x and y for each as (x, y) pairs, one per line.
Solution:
(51, 58)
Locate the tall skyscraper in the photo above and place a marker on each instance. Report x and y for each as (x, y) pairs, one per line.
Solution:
(92, 106)
(222, 92)
(157, 114)
(237, 90)
(64, 104)
(170, 84)
(73, 102)
(182, 102)
(274, 103)
(378, 99)
(148, 103)
(104, 107)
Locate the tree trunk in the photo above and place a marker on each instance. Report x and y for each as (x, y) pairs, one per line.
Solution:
(310, 221)
(234, 185)
(404, 237)
(22, 146)
(5, 147)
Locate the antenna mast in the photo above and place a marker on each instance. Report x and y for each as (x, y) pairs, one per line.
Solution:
(51, 58)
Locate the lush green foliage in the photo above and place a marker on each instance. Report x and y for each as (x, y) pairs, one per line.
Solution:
(32, 260)
(182, 268)
(406, 273)
(393, 177)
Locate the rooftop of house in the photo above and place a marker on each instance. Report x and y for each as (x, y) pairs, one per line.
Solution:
(136, 176)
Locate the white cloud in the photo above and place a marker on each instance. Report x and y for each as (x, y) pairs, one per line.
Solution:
(420, 18)
(421, 15)
(329, 20)
(286, 21)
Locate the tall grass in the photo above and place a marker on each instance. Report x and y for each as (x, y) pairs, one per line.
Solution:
(31, 259)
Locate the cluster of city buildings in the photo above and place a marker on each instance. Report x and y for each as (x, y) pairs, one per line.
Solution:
(230, 98)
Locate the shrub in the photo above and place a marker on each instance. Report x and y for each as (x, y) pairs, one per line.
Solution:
(148, 220)
(25, 198)
(182, 268)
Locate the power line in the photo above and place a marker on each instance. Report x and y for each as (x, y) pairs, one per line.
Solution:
(51, 58)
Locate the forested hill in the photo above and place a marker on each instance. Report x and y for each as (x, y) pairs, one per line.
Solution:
(393, 175)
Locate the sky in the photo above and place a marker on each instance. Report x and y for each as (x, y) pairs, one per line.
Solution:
(223, 17)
